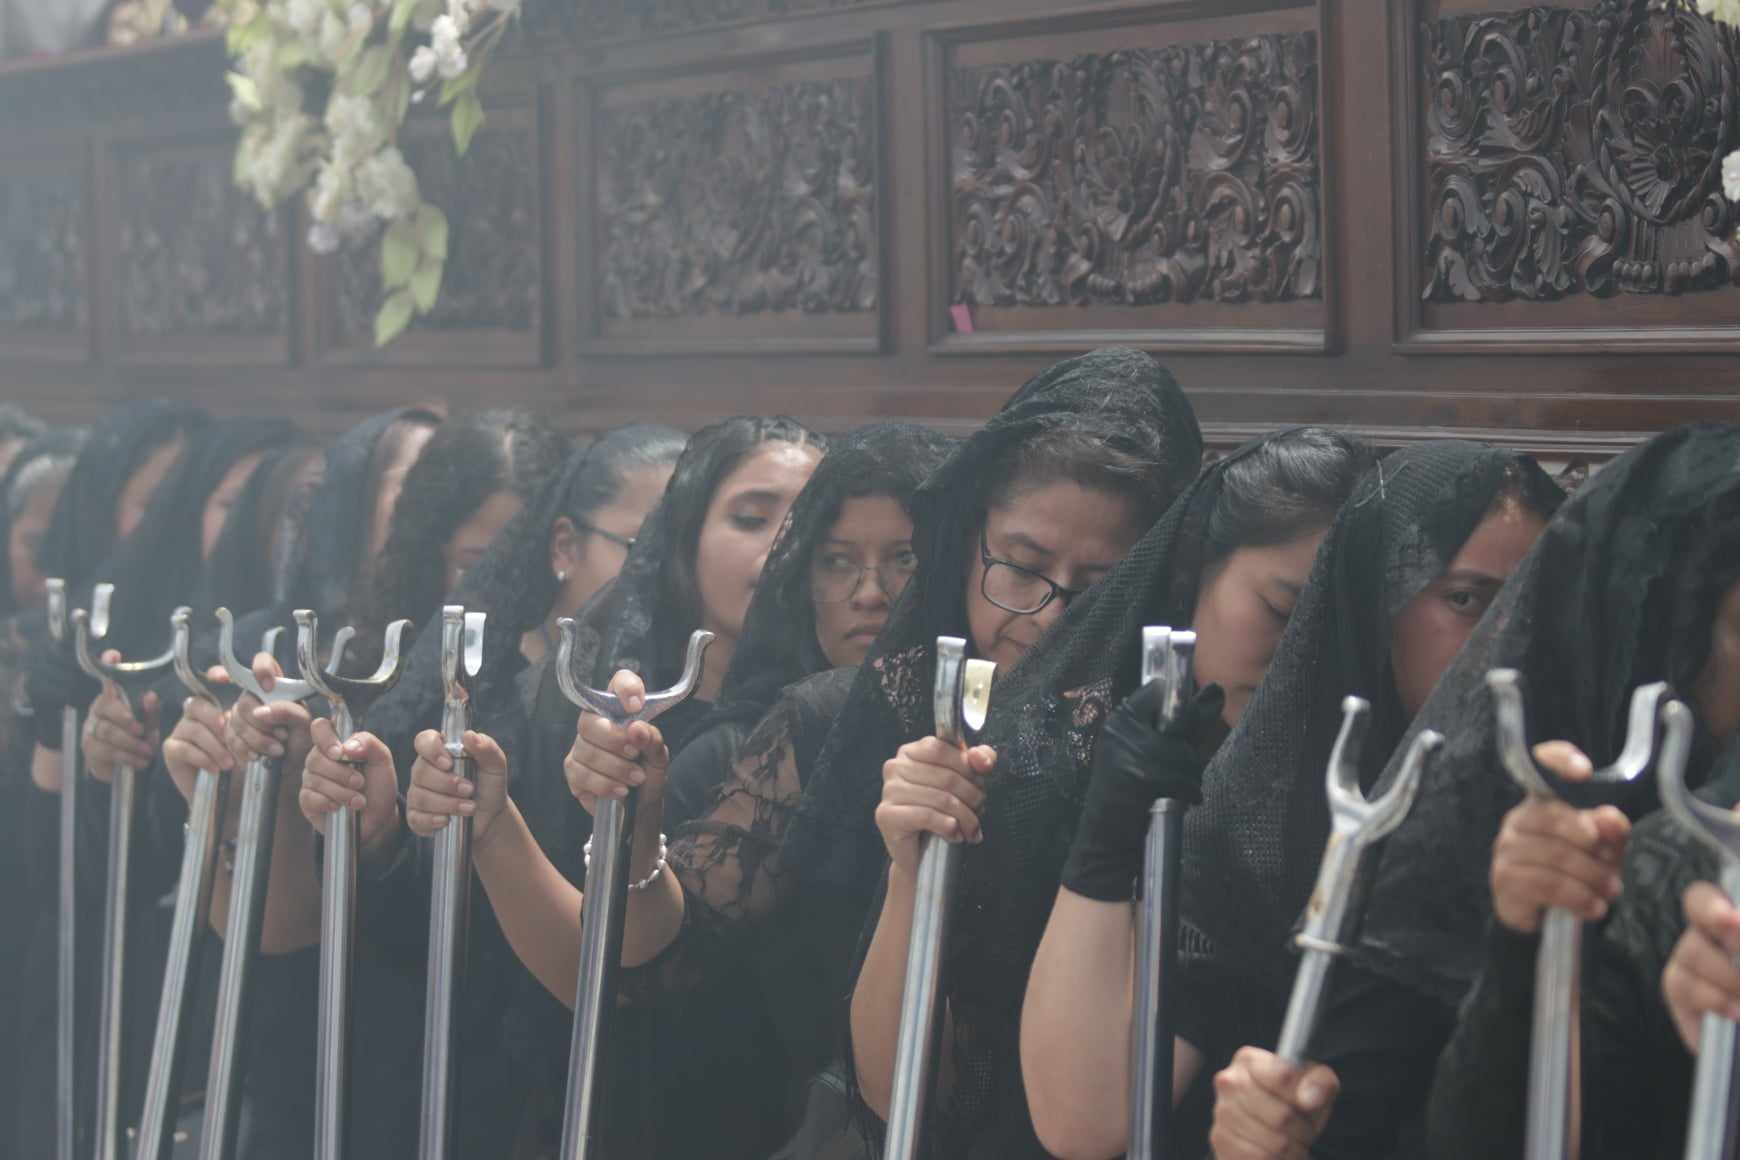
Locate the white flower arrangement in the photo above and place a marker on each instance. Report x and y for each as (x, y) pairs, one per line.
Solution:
(370, 61)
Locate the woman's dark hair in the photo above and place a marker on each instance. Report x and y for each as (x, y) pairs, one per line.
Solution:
(1282, 488)
(46, 461)
(1080, 456)
(598, 472)
(466, 461)
(712, 455)
(82, 533)
(250, 564)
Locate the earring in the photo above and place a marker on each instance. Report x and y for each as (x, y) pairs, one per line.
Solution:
(561, 576)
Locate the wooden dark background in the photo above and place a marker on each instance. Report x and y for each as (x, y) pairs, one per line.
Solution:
(1401, 215)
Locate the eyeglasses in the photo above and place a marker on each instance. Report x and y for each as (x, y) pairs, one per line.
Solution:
(625, 541)
(834, 579)
(1016, 589)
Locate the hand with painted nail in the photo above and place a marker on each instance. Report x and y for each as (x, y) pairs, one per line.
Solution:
(113, 736)
(931, 786)
(196, 743)
(277, 731)
(1267, 1109)
(438, 793)
(1701, 976)
(607, 760)
(357, 775)
(1550, 854)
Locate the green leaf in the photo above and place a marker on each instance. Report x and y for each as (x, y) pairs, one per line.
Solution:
(370, 71)
(394, 316)
(426, 284)
(465, 82)
(245, 90)
(401, 17)
(292, 55)
(397, 97)
(467, 118)
(432, 231)
(398, 254)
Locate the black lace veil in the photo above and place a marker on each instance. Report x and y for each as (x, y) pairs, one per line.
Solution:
(1251, 848)
(1620, 590)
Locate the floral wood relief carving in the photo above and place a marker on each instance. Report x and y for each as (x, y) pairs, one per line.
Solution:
(614, 19)
(195, 253)
(1578, 152)
(741, 202)
(493, 275)
(42, 252)
(1178, 174)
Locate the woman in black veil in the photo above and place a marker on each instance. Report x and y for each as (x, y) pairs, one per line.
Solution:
(1407, 568)
(1636, 580)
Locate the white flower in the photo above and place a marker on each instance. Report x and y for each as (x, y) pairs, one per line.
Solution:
(386, 185)
(354, 126)
(323, 238)
(1727, 11)
(303, 16)
(459, 11)
(331, 188)
(354, 219)
(444, 43)
(452, 65)
(269, 155)
(422, 64)
(1731, 176)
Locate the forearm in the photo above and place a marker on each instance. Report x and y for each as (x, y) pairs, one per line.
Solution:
(876, 997)
(1075, 1028)
(292, 917)
(655, 915)
(538, 909)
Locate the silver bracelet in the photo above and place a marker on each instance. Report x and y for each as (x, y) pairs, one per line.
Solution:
(658, 867)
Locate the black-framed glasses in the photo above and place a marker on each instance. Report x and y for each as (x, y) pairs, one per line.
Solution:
(835, 579)
(625, 541)
(1016, 589)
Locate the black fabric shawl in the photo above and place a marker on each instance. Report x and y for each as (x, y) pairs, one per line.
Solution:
(1252, 846)
(638, 621)
(1124, 397)
(1621, 590)
(59, 443)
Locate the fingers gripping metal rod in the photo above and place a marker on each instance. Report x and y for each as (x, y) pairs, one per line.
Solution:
(1558, 961)
(249, 880)
(187, 937)
(449, 909)
(349, 698)
(1355, 825)
(605, 900)
(960, 700)
(1166, 658)
(1711, 1132)
(66, 987)
(128, 680)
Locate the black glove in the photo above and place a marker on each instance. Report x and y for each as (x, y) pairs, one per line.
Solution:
(1136, 764)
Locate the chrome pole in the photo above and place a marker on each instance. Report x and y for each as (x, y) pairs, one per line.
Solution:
(461, 658)
(960, 701)
(1558, 962)
(605, 900)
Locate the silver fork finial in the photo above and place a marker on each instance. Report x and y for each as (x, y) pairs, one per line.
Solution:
(607, 704)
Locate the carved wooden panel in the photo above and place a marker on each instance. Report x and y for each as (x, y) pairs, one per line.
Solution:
(492, 296)
(44, 258)
(623, 19)
(1140, 188)
(197, 265)
(1569, 155)
(740, 210)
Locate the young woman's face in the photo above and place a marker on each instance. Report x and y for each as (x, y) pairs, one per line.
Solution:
(471, 539)
(28, 585)
(1242, 608)
(1717, 690)
(857, 573)
(407, 442)
(1066, 533)
(589, 558)
(222, 499)
(743, 517)
(136, 495)
(1432, 627)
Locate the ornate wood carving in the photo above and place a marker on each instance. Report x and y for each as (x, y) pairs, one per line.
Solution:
(740, 202)
(43, 249)
(494, 276)
(194, 254)
(1177, 174)
(618, 19)
(1578, 153)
